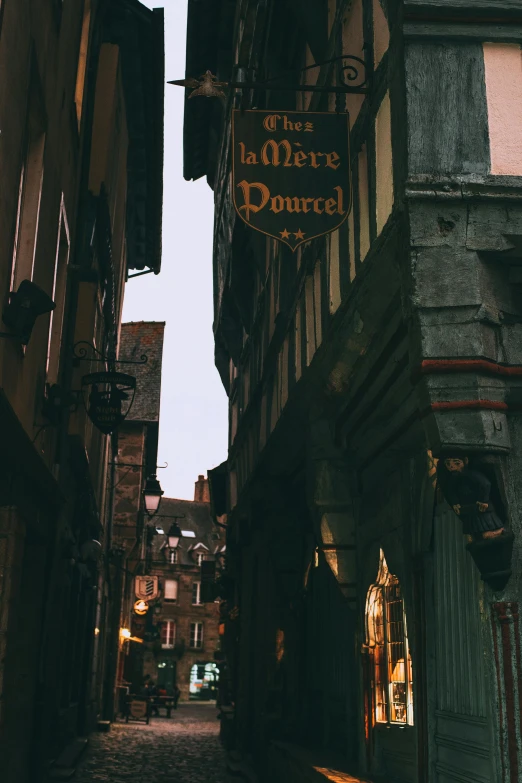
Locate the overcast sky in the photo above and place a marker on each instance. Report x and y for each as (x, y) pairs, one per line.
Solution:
(194, 419)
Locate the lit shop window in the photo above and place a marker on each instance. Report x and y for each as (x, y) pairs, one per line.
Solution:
(387, 640)
(196, 635)
(168, 634)
(171, 589)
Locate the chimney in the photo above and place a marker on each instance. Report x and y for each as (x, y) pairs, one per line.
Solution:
(201, 490)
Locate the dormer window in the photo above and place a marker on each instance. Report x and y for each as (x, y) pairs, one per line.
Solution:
(199, 558)
(173, 556)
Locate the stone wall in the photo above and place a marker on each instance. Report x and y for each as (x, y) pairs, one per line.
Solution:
(184, 612)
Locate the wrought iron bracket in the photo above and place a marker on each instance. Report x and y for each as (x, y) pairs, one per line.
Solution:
(84, 351)
(208, 86)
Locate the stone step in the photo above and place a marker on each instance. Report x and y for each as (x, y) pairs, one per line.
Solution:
(70, 754)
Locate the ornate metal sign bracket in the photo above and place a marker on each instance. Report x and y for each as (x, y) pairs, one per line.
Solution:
(208, 86)
(84, 351)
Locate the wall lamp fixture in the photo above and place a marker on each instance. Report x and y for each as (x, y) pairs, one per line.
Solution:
(22, 310)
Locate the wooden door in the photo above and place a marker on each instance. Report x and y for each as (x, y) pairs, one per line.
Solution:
(462, 747)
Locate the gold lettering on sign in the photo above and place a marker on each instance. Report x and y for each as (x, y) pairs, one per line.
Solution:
(331, 160)
(270, 123)
(276, 153)
(247, 157)
(291, 204)
(249, 206)
(274, 146)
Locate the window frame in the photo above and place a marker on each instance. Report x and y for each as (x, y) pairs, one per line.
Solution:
(197, 585)
(385, 593)
(196, 638)
(168, 632)
(58, 295)
(30, 186)
(173, 556)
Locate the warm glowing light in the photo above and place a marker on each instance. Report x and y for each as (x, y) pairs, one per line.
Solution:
(125, 633)
(280, 645)
(96, 631)
(141, 607)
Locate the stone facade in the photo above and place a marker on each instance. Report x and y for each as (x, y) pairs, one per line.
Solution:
(352, 366)
(137, 454)
(187, 609)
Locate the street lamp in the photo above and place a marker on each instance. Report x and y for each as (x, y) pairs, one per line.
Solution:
(174, 535)
(152, 493)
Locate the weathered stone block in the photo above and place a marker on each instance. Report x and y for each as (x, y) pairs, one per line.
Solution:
(438, 225)
(445, 279)
(474, 430)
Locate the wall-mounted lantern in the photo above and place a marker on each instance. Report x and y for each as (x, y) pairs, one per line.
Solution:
(23, 308)
(174, 535)
(152, 494)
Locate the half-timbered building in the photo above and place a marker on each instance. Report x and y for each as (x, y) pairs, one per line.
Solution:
(360, 635)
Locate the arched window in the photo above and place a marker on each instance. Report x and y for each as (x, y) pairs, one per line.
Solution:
(387, 640)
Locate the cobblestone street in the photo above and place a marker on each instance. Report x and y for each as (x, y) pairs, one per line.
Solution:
(184, 749)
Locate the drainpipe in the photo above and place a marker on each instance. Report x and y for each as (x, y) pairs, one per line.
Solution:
(114, 564)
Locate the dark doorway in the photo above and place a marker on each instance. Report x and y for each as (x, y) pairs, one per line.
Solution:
(166, 675)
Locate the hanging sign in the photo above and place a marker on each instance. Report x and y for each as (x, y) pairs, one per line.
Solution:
(138, 709)
(291, 172)
(109, 399)
(147, 587)
(141, 607)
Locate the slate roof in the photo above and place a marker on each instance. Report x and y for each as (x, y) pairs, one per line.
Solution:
(139, 338)
(139, 32)
(197, 517)
(210, 24)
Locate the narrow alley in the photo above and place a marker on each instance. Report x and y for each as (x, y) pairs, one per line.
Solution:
(183, 749)
(261, 391)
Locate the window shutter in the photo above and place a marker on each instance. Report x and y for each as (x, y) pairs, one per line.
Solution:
(164, 634)
(196, 590)
(171, 589)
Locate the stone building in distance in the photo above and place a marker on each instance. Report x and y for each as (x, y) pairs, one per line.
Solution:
(187, 630)
(134, 459)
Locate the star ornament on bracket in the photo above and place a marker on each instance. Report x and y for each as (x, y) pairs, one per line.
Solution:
(206, 86)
